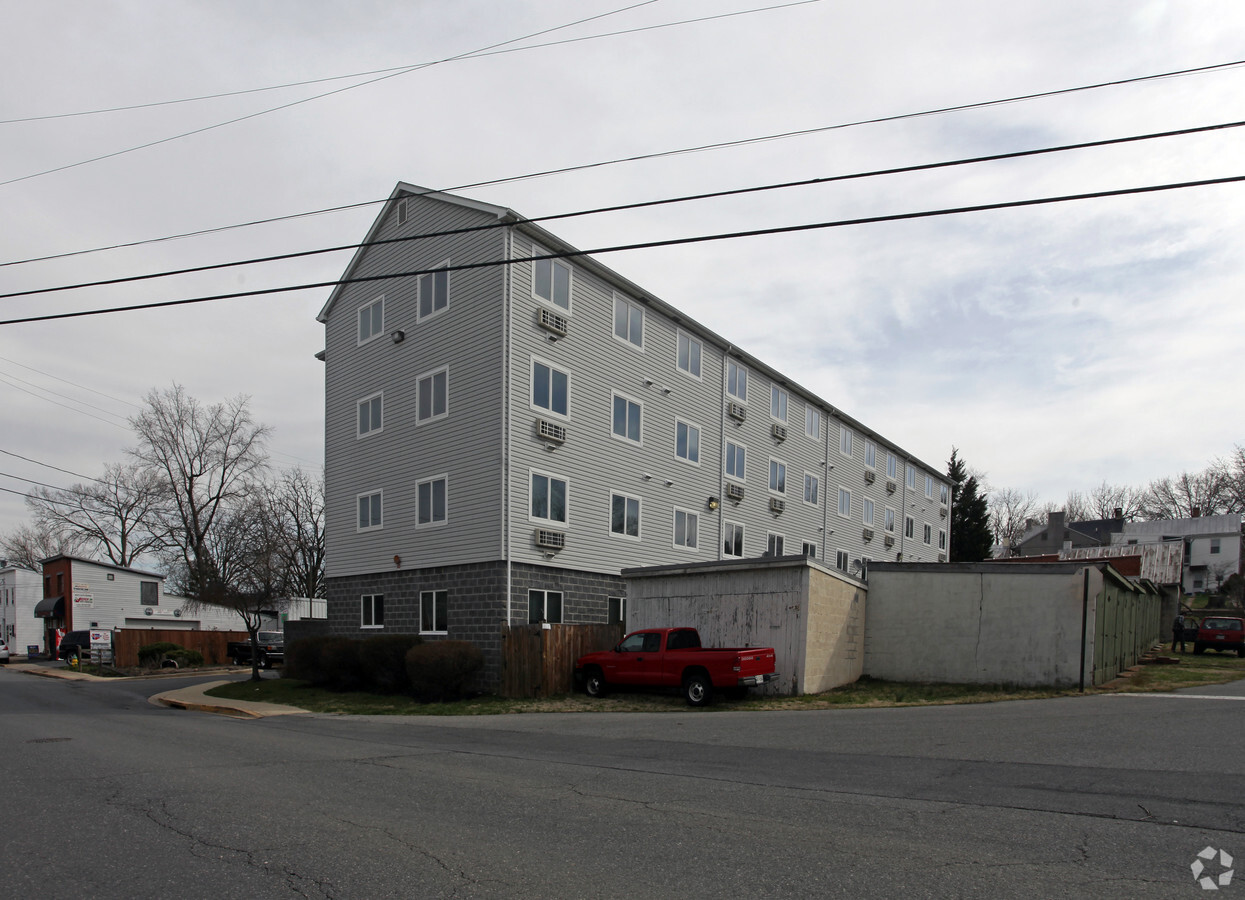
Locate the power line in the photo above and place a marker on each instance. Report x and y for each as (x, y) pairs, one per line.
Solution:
(656, 155)
(49, 466)
(645, 245)
(66, 381)
(808, 182)
(54, 403)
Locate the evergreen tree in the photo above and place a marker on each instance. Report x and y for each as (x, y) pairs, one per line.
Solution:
(970, 516)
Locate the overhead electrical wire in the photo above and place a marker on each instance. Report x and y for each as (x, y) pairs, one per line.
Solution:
(643, 245)
(807, 182)
(654, 155)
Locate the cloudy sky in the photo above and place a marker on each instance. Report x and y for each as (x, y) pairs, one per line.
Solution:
(1056, 346)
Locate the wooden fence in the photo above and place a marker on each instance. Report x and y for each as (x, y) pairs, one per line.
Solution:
(539, 662)
(211, 644)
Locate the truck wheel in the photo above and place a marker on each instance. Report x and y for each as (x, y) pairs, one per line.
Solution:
(594, 683)
(697, 689)
(263, 661)
(238, 661)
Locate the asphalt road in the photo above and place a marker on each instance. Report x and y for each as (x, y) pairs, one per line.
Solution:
(1112, 796)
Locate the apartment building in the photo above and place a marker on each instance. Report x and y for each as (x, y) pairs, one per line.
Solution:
(503, 439)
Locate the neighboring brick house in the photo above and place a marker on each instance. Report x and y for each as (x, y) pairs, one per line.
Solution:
(501, 440)
(1058, 534)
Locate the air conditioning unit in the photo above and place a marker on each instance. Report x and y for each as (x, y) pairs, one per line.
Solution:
(551, 321)
(943, 512)
(734, 492)
(550, 431)
(737, 411)
(550, 540)
(778, 431)
(869, 476)
(890, 486)
(867, 534)
(942, 557)
(889, 541)
(777, 505)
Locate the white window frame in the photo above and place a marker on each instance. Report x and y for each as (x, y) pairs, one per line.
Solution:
(867, 513)
(871, 454)
(694, 530)
(944, 494)
(622, 302)
(531, 397)
(842, 560)
(367, 610)
(379, 501)
(845, 441)
(433, 596)
(686, 340)
(811, 480)
(730, 530)
(419, 485)
(372, 334)
(431, 378)
(910, 477)
(892, 466)
(845, 498)
(929, 487)
(778, 401)
(553, 265)
(566, 498)
(403, 212)
(809, 549)
(625, 437)
(627, 499)
(544, 605)
(726, 460)
(888, 520)
(942, 539)
(775, 544)
(927, 534)
(777, 475)
(812, 422)
(737, 380)
(428, 281)
(909, 527)
(379, 400)
(690, 426)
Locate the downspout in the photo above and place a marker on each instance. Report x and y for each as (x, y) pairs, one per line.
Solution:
(825, 493)
(1084, 622)
(726, 357)
(507, 351)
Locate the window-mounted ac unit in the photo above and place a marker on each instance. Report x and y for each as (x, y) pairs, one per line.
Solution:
(869, 476)
(890, 486)
(777, 505)
(734, 492)
(942, 557)
(943, 512)
(550, 540)
(778, 431)
(867, 534)
(551, 321)
(737, 411)
(551, 431)
(889, 541)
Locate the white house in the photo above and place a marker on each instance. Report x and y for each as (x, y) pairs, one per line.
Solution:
(1212, 546)
(20, 592)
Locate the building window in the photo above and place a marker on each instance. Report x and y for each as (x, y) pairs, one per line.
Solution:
(689, 355)
(370, 414)
(774, 545)
(908, 525)
(889, 523)
(431, 502)
(432, 612)
(551, 280)
(812, 423)
(434, 395)
(1214, 545)
(369, 511)
(778, 476)
(617, 613)
(929, 487)
(809, 550)
(890, 465)
(434, 292)
(942, 494)
(928, 534)
(544, 606)
(402, 212)
(735, 460)
(372, 320)
(626, 419)
(372, 611)
(867, 512)
(845, 502)
(686, 441)
(734, 543)
(628, 321)
(778, 403)
(625, 516)
(840, 560)
(810, 488)
(551, 389)
(845, 440)
(871, 454)
(686, 529)
(942, 539)
(910, 481)
(736, 381)
(149, 593)
(549, 498)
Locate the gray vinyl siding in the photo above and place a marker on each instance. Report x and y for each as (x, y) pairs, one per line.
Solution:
(465, 446)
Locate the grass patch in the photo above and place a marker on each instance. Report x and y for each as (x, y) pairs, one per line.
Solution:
(1192, 671)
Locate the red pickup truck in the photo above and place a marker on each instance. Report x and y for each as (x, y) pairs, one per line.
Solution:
(673, 657)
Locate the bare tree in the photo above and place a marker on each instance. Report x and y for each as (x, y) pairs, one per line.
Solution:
(1207, 492)
(296, 505)
(113, 515)
(1077, 507)
(1010, 510)
(1105, 499)
(1234, 474)
(27, 546)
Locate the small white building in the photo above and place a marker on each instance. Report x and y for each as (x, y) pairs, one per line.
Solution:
(1212, 546)
(20, 592)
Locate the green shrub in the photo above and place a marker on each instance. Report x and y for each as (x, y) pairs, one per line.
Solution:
(151, 655)
(185, 658)
(383, 662)
(340, 668)
(441, 670)
(302, 658)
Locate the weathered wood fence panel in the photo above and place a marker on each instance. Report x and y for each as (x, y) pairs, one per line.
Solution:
(211, 644)
(539, 662)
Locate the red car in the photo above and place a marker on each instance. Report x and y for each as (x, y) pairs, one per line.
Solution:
(673, 658)
(1221, 633)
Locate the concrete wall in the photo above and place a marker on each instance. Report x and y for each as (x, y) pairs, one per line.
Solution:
(979, 623)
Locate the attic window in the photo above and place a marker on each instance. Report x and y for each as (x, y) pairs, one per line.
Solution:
(401, 212)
